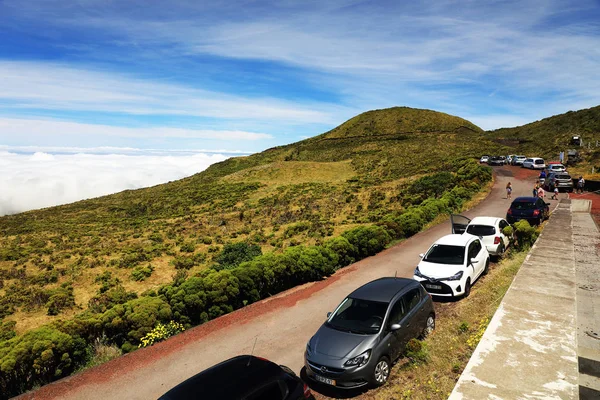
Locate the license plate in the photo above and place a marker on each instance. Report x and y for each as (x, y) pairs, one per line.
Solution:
(433, 287)
(325, 380)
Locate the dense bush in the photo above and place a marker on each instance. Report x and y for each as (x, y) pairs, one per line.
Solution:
(140, 273)
(233, 254)
(525, 235)
(367, 240)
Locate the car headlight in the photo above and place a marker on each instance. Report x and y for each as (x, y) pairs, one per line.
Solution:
(419, 274)
(358, 361)
(308, 348)
(455, 277)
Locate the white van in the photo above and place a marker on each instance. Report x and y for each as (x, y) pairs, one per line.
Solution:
(534, 163)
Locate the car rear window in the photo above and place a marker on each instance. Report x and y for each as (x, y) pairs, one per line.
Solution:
(481, 230)
(539, 161)
(522, 205)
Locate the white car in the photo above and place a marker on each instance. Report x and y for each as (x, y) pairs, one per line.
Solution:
(452, 264)
(555, 168)
(534, 163)
(489, 230)
(484, 159)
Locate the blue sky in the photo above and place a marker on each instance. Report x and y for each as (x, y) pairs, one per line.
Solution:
(248, 75)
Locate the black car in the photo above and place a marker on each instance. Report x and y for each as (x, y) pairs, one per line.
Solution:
(242, 378)
(367, 332)
(532, 209)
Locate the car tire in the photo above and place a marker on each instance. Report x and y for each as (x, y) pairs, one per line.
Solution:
(429, 326)
(381, 372)
(467, 288)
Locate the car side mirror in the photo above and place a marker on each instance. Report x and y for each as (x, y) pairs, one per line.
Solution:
(328, 314)
(421, 255)
(395, 327)
(473, 261)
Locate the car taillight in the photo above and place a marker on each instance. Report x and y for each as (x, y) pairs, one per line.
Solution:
(536, 213)
(307, 393)
(509, 212)
(497, 240)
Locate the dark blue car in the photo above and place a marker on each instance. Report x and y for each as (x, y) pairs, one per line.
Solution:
(532, 209)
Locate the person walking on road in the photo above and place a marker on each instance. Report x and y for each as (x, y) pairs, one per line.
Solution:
(580, 184)
(535, 190)
(508, 190)
(541, 193)
(555, 194)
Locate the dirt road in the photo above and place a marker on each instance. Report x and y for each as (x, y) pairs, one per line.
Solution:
(280, 325)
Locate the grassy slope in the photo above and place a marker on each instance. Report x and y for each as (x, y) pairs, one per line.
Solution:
(549, 136)
(347, 176)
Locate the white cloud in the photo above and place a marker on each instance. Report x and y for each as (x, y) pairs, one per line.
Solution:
(38, 180)
(11, 127)
(50, 86)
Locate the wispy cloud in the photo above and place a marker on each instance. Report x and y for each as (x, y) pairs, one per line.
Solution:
(38, 180)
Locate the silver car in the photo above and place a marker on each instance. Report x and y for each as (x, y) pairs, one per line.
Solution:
(367, 332)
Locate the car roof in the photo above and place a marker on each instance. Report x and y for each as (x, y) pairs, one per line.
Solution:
(525, 199)
(383, 289)
(455, 239)
(248, 373)
(484, 221)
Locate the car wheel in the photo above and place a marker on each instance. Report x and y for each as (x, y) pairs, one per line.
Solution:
(467, 288)
(429, 325)
(381, 373)
(487, 261)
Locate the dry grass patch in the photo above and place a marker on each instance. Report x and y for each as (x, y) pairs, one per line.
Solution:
(294, 172)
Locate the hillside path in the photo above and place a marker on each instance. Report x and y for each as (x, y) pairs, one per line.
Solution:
(281, 325)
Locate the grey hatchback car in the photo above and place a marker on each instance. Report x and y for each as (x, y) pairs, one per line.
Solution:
(368, 331)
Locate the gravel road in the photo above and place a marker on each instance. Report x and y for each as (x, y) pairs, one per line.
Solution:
(281, 325)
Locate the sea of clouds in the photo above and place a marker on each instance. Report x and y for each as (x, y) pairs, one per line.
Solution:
(43, 179)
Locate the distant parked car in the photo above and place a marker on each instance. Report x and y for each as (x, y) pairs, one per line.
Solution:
(484, 159)
(242, 377)
(452, 264)
(489, 230)
(561, 180)
(534, 163)
(495, 161)
(367, 332)
(555, 167)
(532, 209)
(509, 158)
(518, 160)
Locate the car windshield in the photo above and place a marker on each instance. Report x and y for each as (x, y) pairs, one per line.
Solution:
(481, 230)
(568, 177)
(522, 205)
(358, 316)
(445, 254)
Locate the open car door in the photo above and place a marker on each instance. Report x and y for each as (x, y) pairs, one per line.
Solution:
(459, 223)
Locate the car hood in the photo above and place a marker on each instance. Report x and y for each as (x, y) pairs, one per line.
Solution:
(338, 344)
(438, 271)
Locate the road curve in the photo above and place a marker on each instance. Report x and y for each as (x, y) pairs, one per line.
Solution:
(280, 325)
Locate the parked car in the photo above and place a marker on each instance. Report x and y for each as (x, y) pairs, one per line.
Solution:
(495, 161)
(532, 209)
(367, 332)
(452, 264)
(518, 160)
(244, 378)
(553, 166)
(489, 230)
(509, 158)
(534, 163)
(484, 159)
(561, 180)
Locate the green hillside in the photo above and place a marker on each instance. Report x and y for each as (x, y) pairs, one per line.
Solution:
(552, 135)
(188, 251)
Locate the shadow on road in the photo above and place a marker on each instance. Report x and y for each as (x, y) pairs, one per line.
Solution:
(331, 391)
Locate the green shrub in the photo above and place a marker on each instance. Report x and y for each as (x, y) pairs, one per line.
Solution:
(233, 254)
(525, 235)
(140, 273)
(187, 247)
(412, 221)
(367, 240)
(417, 351)
(344, 250)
